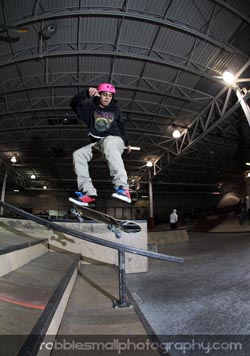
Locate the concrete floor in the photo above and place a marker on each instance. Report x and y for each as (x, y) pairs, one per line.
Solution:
(209, 294)
(92, 322)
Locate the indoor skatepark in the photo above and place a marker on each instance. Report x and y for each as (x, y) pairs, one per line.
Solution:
(204, 299)
(174, 75)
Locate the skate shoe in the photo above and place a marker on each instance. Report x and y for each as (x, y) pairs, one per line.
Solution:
(122, 194)
(82, 199)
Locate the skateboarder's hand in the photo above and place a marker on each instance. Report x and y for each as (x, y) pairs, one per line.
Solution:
(93, 92)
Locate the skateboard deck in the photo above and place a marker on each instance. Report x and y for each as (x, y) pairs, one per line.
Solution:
(113, 224)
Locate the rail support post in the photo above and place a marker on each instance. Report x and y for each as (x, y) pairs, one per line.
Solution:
(123, 302)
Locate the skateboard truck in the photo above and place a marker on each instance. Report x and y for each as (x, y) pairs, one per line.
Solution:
(76, 214)
(110, 227)
(115, 230)
(114, 225)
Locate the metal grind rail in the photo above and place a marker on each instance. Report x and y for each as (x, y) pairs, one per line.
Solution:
(123, 301)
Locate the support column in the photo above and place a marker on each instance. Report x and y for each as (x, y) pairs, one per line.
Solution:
(3, 191)
(122, 302)
(151, 223)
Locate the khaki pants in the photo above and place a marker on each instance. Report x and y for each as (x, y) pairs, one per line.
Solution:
(112, 148)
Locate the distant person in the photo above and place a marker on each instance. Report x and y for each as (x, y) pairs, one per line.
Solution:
(173, 220)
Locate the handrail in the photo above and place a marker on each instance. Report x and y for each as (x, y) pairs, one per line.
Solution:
(97, 240)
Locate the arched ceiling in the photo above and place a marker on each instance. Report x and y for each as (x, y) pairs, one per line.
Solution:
(165, 57)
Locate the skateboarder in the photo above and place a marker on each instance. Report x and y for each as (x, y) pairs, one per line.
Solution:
(97, 108)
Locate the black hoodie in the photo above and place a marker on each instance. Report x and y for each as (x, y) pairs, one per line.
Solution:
(101, 122)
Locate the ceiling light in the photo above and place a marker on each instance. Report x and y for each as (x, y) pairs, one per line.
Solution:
(149, 164)
(33, 176)
(44, 187)
(228, 77)
(134, 148)
(13, 159)
(176, 134)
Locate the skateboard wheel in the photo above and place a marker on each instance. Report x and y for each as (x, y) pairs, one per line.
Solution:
(118, 234)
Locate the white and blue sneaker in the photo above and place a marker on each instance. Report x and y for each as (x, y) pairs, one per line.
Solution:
(122, 194)
(82, 199)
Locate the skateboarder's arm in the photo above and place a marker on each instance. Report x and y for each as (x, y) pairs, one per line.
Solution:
(78, 100)
(79, 106)
(123, 132)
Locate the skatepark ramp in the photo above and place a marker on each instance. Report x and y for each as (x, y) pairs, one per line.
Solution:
(69, 264)
(209, 220)
(207, 223)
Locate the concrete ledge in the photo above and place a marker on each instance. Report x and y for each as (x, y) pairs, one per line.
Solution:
(93, 252)
(15, 259)
(167, 237)
(90, 252)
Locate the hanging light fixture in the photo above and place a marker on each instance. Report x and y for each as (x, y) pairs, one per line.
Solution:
(176, 134)
(33, 176)
(13, 159)
(149, 164)
(228, 77)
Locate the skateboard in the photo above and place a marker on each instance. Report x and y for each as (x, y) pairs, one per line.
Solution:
(113, 224)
